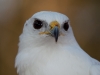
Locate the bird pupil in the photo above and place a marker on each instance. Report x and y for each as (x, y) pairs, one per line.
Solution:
(66, 26)
(37, 24)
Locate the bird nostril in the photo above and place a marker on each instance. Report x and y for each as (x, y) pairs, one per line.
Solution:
(57, 25)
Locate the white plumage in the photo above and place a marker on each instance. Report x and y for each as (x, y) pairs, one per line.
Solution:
(41, 53)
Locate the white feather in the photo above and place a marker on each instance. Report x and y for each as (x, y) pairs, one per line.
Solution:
(41, 55)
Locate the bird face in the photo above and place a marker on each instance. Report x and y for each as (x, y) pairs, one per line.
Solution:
(53, 31)
(48, 24)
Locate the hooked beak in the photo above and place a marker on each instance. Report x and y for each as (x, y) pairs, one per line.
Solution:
(55, 33)
(55, 30)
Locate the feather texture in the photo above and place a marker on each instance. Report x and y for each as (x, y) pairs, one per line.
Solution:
(41, 55)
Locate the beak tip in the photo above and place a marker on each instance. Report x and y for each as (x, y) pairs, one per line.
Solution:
(56, 39)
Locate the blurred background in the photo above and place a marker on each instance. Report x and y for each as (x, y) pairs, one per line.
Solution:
(84, 17)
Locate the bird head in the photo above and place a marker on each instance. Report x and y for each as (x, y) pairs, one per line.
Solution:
(47, 26)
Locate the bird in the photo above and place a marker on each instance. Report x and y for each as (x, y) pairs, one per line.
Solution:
(47, 46)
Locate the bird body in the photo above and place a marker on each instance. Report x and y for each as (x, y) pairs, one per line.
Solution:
(40, 54)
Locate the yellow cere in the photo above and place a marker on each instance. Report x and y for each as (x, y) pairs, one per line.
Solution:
(45, 32)
(53, 24)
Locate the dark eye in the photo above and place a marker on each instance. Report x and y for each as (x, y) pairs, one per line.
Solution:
(37, 24)
(66, 26)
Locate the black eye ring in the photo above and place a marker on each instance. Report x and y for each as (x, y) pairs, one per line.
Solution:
(37, 24)
(66, 26)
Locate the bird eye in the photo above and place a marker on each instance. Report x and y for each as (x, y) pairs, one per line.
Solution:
(66, 26)
(37, 24)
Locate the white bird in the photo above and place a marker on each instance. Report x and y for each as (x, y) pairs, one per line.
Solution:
(48, 47)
